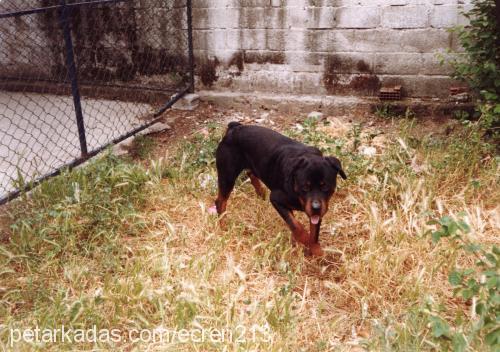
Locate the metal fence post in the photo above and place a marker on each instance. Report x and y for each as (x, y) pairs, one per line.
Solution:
(70, 62)
(190, 44)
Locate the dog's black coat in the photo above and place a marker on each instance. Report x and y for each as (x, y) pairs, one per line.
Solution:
(299, 177)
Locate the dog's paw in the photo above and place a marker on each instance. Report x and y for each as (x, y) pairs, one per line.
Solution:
(212, 210)
(316, 250)
(301, 235)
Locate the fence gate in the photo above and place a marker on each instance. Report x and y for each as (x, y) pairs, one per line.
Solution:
(77, 76)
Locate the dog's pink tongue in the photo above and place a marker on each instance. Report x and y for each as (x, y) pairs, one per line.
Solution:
(314, 219)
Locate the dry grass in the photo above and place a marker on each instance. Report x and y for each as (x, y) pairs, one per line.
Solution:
(162, 260)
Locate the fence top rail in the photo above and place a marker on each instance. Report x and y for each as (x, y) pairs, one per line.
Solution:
(55, 7)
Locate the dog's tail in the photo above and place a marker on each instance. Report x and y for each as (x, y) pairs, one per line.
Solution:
(229, 131)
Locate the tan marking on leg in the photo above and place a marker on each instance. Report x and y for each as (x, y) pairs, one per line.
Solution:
(257, 185)
(314, 245)
(312, 231)
(299, 233)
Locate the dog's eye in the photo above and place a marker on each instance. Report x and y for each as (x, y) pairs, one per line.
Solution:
(307, 187)
(324, 186)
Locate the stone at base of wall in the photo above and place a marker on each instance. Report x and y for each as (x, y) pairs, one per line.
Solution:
(282, 81)
(330, 104)
(187, 102)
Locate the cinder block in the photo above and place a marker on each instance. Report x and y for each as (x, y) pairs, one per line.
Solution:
(250, 3)
(295, 3)
(232, 38)
(448, 2)
(308, 83)
(259, 60)
(377, 40)
(310, 62)
(221, 56)
(405, 16)
(287, 40)
(224, 18)
(425, 40)
(253, 39)
(200, 40)
(277, 17)
(262, 17)
(253, 18)
(323, 3)
(297, 60)
(358, 17)
(351, 3)
(200, 54)
(342, 40)
(297, 17)
(229, 3)
(431, 65)
(276, 40)
(389, 40)
(317, 40)
(338, 40)
(320, 17)
(347, 63)
(209, 18)
(197, 4)
(261, 57)
(314, 59)
(217, 39)
(463, 9)
(398, 63)
(444, 16)
(209, 39)
(201, 19)
(421, 86)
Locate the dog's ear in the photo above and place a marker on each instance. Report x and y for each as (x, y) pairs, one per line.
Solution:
(335, 163)
(291, 168)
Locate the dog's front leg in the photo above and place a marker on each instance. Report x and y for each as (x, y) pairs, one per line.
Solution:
(315, 246)
(279, 201)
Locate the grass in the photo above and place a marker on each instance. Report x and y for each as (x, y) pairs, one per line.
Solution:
(123, 246)
(142, 146)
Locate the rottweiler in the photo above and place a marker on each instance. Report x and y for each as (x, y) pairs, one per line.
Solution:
(298, 176)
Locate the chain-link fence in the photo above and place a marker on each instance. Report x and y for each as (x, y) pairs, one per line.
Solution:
(76, 76)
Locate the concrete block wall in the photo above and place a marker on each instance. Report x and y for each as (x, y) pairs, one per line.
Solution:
(325, 46)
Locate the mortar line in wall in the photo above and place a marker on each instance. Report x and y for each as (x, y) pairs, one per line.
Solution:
(323, 29)
(324, 52)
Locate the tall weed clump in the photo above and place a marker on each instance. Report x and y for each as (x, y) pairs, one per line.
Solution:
(68, 241)
(479, 65)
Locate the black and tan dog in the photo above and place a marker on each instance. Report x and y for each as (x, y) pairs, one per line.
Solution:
(299, 176)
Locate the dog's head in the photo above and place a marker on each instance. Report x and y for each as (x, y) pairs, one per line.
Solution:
(314, 179)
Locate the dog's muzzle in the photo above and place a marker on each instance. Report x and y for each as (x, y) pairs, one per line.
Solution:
(316, 211)
(316, 205)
